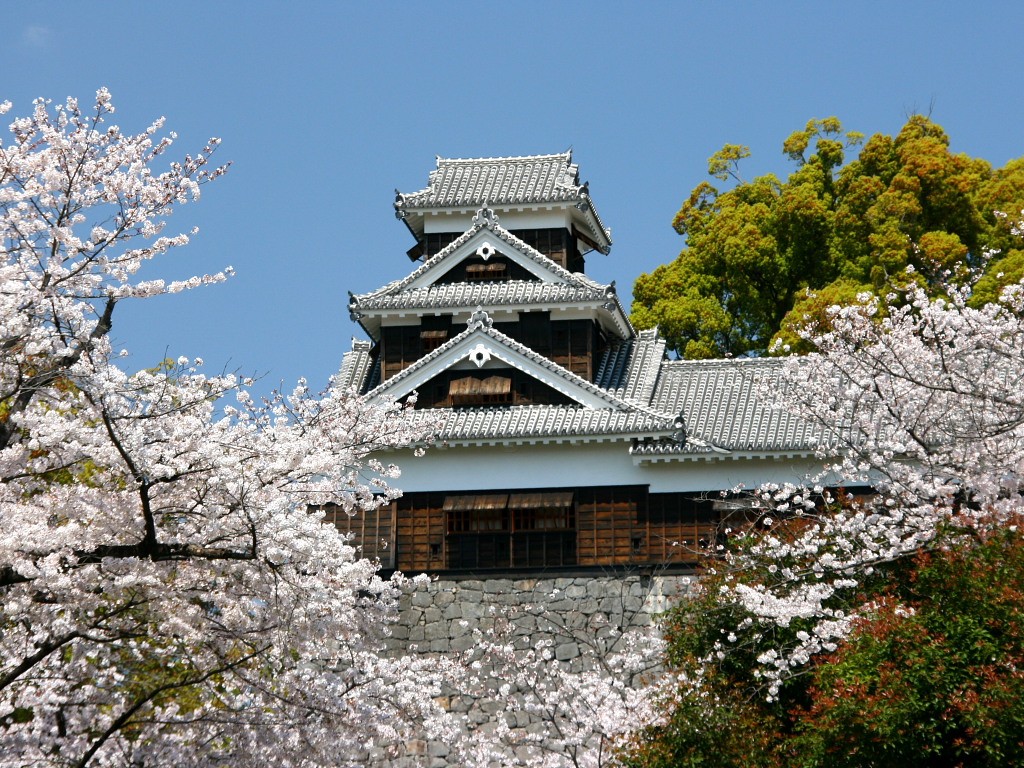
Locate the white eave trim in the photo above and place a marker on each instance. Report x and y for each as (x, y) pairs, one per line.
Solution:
(722, 455)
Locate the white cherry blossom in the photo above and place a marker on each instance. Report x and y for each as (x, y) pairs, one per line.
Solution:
(170, 597)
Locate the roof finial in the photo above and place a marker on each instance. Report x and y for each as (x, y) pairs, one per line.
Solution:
(480, 319)
(583, 196)
(679, 425)
(485, 215)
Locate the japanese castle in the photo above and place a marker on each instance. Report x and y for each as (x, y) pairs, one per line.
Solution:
(567, 440)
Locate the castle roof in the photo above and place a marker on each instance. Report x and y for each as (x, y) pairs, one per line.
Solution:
(504, 182)
(663, 410)
(724, 406)
(472, 182)
(554, 286)
(670, 409)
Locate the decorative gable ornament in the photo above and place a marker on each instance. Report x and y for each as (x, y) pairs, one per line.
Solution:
(480, 319)
(485, 215)
(479, 355)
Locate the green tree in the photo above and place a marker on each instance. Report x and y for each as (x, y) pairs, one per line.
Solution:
(932, 676)
(936, 675)
(764, 256)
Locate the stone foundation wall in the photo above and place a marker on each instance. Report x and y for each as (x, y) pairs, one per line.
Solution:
(561, 611)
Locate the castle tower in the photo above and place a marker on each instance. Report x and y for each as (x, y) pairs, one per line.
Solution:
(568, 441)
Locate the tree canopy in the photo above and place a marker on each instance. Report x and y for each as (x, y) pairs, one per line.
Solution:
(876, 628)
(763, 255)
(170, 593)
(167, 595)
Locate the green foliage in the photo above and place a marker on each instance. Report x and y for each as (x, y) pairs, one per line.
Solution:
(753, 251)
(1009, 269)
(934, 675)
(717, 722)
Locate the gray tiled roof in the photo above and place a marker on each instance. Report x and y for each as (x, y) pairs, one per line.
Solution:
(508, 293)
(720, 402)
(565, 287)
(469, 182)
(718, 399)
(505, 181)
(355, 367)
(479, 223)
(630, 369)
(543, 421)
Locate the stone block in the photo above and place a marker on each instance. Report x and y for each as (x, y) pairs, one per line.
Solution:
(498, 586)
(562, 605)
(567, 651)
(432, 615)
(435, 631)
(422, 599)
(610, 605)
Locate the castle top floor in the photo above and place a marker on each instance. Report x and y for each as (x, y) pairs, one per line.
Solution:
(539, 198)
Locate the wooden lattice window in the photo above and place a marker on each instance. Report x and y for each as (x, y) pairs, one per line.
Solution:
(496, 270)
(472, 390)
(372, 531)
(516, 530)
(432, 339)
(680, 527)
(483, 512)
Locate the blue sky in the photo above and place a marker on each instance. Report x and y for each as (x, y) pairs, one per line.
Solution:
(326, 107)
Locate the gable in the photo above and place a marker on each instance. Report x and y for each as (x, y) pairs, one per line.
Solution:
(488, 245)
(461, 387)
(481, 349)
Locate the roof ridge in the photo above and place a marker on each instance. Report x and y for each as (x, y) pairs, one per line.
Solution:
(567, 155)
(726, 361)
(505, 293)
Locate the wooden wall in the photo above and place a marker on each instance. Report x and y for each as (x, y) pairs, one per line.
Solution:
(420, 532)
(523, 390)
(614, 526)
(373, 531)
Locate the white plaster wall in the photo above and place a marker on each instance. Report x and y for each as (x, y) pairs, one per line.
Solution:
(540, 218)
(564, 465)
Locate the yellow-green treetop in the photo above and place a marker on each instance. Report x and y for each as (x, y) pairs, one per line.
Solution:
(765, 256)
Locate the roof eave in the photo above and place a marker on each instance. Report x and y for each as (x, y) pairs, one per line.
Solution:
(719, 455)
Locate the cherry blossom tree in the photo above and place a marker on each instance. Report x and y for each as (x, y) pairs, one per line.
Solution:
(168, 597)
(921, 399)
(571, 690)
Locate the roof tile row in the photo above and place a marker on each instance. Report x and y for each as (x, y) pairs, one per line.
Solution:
(498, 180)
(485, 294)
